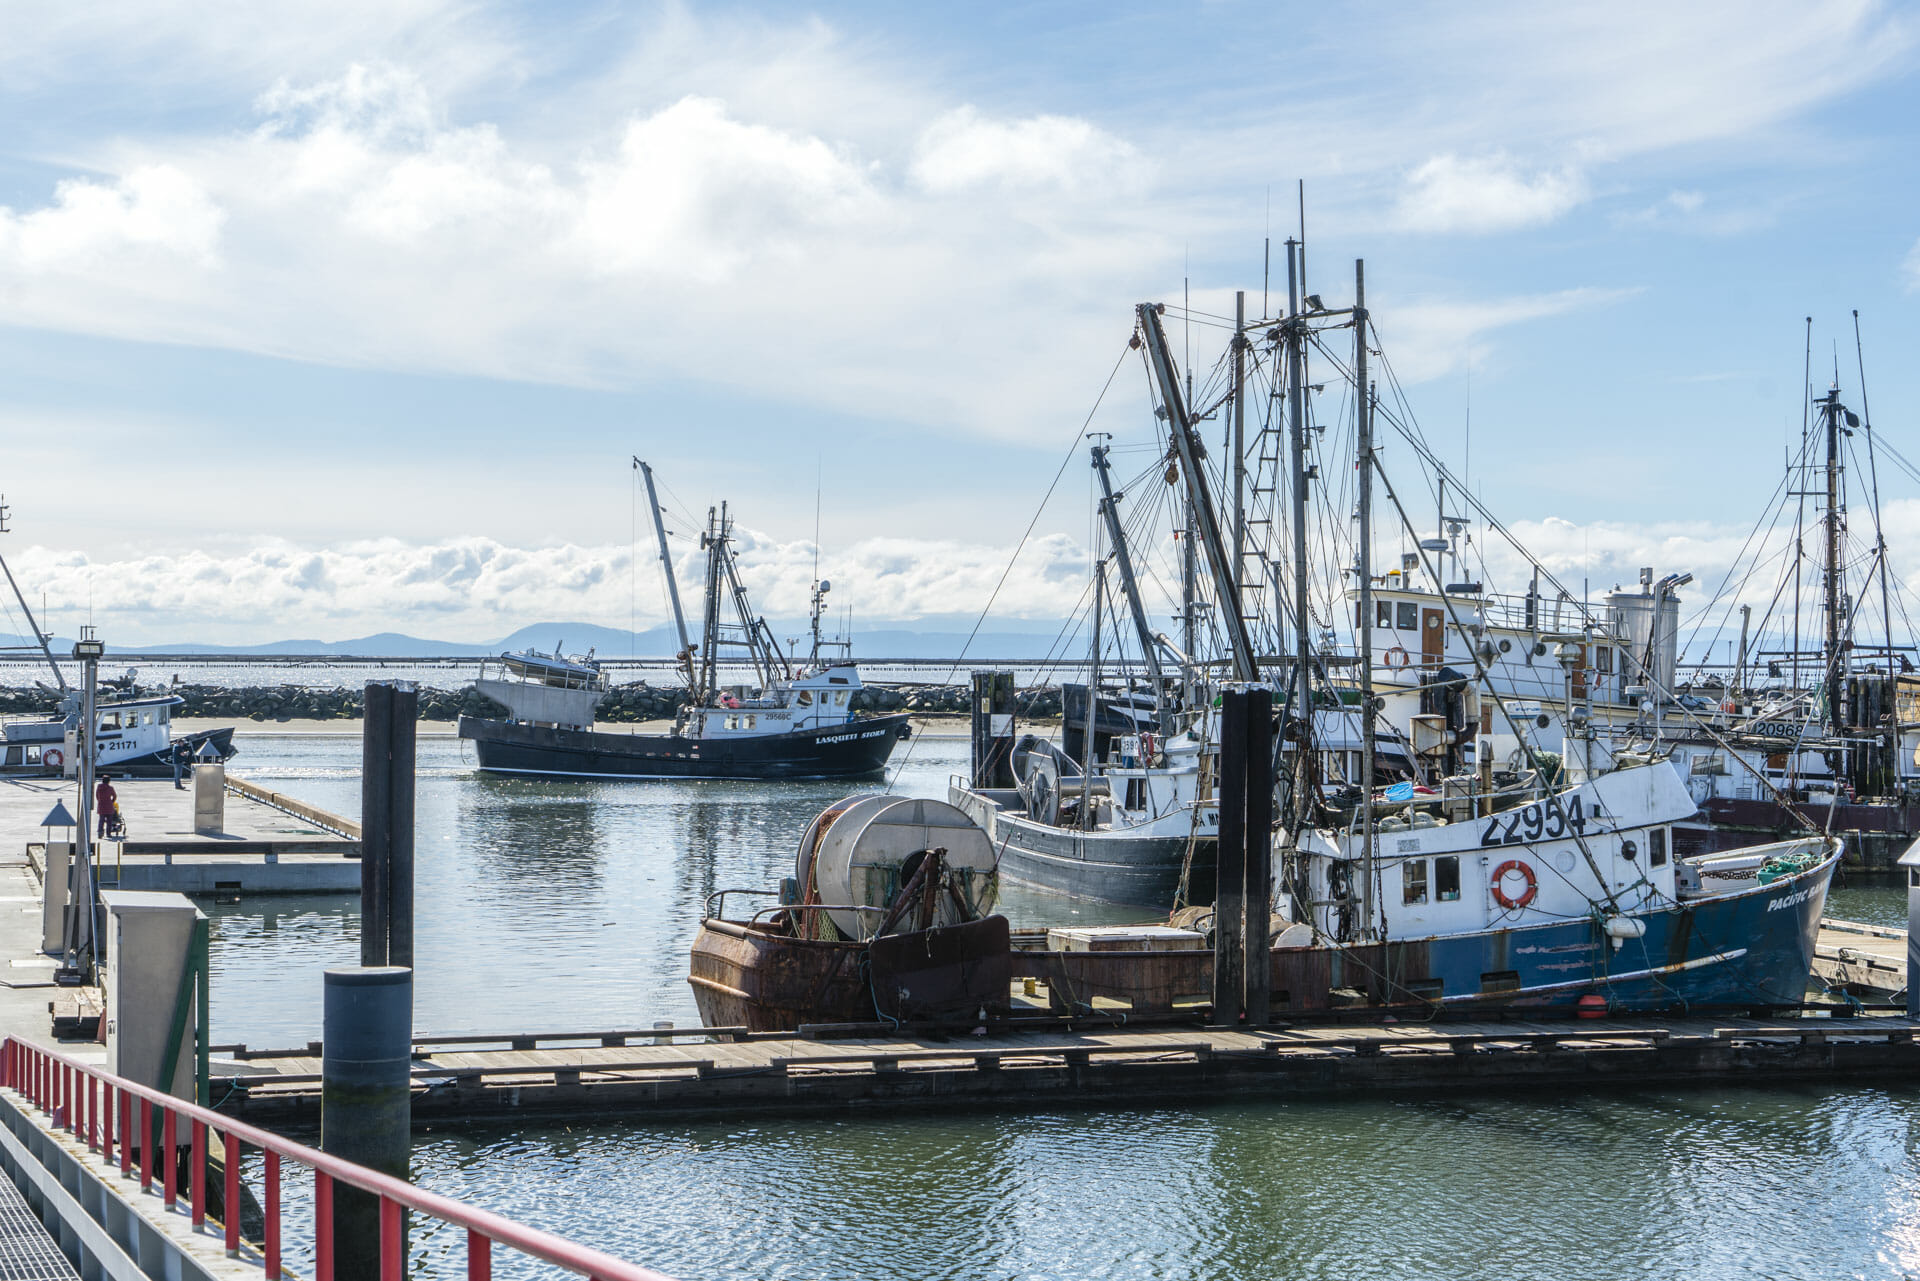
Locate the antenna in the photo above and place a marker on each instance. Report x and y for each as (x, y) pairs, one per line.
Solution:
(1266, 254)
(633, 559)
(1304, 291)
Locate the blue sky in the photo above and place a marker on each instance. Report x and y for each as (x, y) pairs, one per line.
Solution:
(323, 319)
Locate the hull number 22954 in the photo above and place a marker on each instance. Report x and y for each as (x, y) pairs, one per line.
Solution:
(1543, 820)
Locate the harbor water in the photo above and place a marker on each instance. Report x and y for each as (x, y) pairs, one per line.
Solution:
(557, 906)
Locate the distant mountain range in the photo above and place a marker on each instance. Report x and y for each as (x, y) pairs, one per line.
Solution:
(882, 640)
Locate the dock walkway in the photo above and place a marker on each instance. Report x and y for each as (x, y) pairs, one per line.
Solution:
(263, 847)
(729, 1072)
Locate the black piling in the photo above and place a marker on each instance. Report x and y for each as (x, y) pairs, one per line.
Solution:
(365, 1100)
(386, 824)
(1230, 894)
(1243, 898)
(992, 755)
(1258, 834)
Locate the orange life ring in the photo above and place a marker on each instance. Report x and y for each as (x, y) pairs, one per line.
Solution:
(1401, 662)
(1500, 894)
(53, 758)
(1146, 750)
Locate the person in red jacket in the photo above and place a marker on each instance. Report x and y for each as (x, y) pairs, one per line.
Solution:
(107, 802)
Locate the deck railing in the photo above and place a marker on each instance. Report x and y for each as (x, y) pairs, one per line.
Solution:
(101, 1110)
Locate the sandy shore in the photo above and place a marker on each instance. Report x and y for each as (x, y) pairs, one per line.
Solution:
(926, 726)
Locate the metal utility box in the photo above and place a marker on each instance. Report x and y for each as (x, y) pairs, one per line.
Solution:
(1910, 861)
(210, 798)
(150, 1004)
(53, 906)
(1124, 938)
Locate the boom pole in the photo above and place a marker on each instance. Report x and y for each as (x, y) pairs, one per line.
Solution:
(1123, 560)
(666, 564)
(1186, 444)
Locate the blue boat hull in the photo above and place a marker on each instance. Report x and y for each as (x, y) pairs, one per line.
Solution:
(1749, 949)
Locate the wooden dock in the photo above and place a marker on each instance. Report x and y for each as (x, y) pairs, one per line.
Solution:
(727, 1072)
(269, 844)
(1867, 961)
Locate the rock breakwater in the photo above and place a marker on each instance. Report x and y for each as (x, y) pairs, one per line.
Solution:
(632, 703)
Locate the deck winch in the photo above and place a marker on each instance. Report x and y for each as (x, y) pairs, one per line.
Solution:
(858, 853)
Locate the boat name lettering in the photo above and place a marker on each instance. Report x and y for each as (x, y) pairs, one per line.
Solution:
(1565, 966)
(1407, 845)
(1533, 949)
(1794, 899)
(1549, 819)
(848, 738)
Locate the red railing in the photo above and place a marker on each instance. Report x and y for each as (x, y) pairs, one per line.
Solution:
(101, 1109)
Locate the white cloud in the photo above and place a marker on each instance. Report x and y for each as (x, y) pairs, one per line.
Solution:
(963, 150)
(91, 225)
(1451, 193)
(1427, 338)
(478, 589)
(357, 225)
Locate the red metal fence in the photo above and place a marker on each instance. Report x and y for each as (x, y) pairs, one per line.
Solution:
(101, 1110)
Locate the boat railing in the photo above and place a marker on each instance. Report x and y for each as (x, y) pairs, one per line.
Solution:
(757, 917)
(115, 1120)
(716, 904)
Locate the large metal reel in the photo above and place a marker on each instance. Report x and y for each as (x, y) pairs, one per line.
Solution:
(822, 823)
(858, 861)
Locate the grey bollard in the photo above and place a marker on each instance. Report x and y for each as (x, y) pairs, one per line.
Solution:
(366, 1113)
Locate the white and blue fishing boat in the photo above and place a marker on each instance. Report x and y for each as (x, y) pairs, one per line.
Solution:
(1573, 894)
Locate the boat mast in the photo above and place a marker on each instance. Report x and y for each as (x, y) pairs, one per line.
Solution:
(1297, 402)
(1246, 667)
(1239, 431)
(1093, 701)
(710, 626)
(1123, 560)
(1363, 434)
(1873, 473)
(1836, 678)
(762, 652)
(666, 564)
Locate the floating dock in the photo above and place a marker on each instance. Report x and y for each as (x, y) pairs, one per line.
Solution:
(730, 1073)
(268, 843)
(1866, 961)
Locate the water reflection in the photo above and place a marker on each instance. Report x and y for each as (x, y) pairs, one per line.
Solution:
(537, 842)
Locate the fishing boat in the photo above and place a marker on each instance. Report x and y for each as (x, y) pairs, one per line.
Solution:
(133, 733)
(795, 720)
(1120, 809)
(133, 738)
(1499, 875)
(888, 918)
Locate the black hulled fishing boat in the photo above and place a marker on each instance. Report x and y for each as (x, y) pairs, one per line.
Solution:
(795, 720)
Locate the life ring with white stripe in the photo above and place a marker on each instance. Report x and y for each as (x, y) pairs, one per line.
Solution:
(1396, 657)
(53, 758)
(1510, 902)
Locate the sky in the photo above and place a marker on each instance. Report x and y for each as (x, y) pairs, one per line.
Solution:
(318, 320)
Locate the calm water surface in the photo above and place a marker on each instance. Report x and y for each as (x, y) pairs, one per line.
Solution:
(559, 906)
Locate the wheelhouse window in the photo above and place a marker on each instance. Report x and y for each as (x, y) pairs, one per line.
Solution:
(1602, 659)
(1383, 613)
(1446, 879)
(1657, 847)
(1413, 881)
(1407, 616)
(1136, 793)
